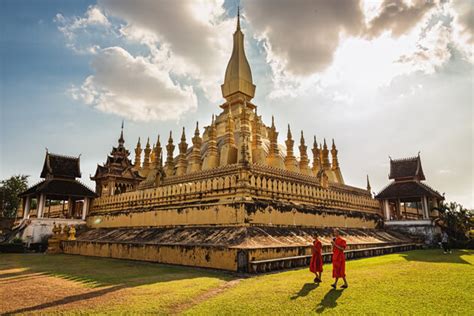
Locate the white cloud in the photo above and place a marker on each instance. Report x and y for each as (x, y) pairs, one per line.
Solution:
(196, 54)
(432, 50)
(133, 87)
(95, 16)
(73, 27)
(196, 35)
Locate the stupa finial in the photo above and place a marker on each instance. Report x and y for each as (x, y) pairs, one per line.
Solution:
(238, 17)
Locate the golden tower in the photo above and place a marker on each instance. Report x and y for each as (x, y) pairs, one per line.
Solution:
(238, 76)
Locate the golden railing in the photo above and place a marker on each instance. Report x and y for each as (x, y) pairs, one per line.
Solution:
(277, 188)
(260, 183)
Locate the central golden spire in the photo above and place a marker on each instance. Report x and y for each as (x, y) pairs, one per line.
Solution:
(238, 76)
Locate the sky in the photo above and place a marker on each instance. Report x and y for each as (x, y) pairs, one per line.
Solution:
(383, 78)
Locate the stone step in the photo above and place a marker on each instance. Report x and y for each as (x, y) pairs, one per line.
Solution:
(262, 266)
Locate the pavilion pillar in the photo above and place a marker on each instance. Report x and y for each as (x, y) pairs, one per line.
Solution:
(436, 205)
(26, 211)
(424, 205)
(41, 203)
(386, 208)
(85, 208)
(69, 207)
(399, 209)
(111, 188)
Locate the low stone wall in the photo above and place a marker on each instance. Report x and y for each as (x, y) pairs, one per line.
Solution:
(419, 229)
(189, 255)
(38, 230)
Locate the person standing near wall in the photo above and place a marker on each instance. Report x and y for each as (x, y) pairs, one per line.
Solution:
(316, 263)
(445, 242)
(338, 259)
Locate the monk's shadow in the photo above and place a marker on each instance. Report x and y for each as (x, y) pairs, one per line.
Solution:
(308, 287)
(329, 300)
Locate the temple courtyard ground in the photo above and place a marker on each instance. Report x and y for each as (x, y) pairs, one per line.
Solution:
(424, 282)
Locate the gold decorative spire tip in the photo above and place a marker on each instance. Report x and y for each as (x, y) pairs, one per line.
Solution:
(196, 131)
(238, 17)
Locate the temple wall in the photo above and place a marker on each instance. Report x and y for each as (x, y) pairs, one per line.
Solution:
(276, 217)
(231, 214)
(216, 198)
(202, 256)
(212, 215)
(259, 184)
(280, 252)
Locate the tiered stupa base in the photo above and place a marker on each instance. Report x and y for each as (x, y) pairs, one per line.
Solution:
(234, 248)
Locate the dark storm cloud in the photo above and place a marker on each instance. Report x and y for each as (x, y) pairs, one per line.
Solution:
(304, 33)
(465, 12)
(398, 17)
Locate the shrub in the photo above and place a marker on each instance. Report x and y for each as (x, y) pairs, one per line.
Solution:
(17, 240)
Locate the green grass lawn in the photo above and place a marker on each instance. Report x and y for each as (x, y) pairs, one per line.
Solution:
(424, 282)
(417, 282)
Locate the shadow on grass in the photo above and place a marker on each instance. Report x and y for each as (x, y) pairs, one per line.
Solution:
(99, 272)
(308, 287)
(22, 277)
(113, 274)
(437, 256)
(11, 274)
(69, 299)
(329, 300)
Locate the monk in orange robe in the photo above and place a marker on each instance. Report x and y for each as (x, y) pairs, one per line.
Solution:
(338, 259)
(316, 263)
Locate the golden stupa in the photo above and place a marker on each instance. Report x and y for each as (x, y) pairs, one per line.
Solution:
(231, 198)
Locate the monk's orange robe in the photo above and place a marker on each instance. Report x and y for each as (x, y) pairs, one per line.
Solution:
(338, 259)
(316, 263)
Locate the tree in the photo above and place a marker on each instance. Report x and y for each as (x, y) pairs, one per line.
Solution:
(9, 190)
(457, 221)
